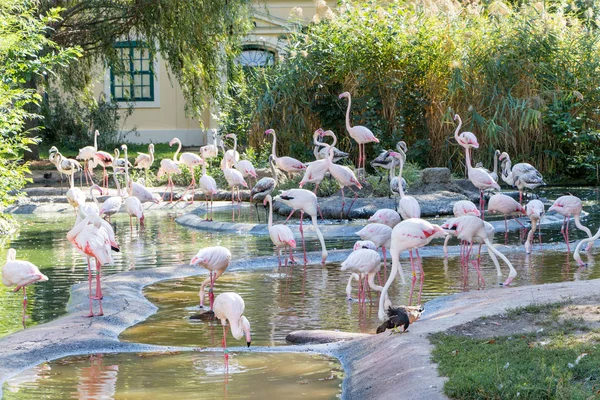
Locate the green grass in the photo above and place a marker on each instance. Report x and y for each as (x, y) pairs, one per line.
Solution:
(537, 365)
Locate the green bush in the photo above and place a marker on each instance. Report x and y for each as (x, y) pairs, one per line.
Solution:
(524, 78)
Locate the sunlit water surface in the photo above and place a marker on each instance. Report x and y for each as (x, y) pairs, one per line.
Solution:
(189, 375)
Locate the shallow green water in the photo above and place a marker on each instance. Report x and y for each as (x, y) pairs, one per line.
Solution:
(184, 375)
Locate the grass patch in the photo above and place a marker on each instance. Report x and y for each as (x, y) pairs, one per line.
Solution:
(559, 361)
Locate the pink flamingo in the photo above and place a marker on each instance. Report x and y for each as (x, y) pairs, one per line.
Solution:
(105, 160)
(144, 161)
(208, 186)
(345, 178)
(287, 164)
(306, 202)
(359, 133)
(316, 170)
(461, 207)
(138, 190)
(364, 244)
(568, 206)
(94, 238)
(112, 205)
(190, 160)
(229, 157)
(244, 166)
(133, 205)
(210, 150)
(381, 235)
(216, 260)
(408, 207)
(362, 262)
(87, 153)
(385, 216)
(230, 306)
(169, 167)
(235, 179)
(409, 234)
(281, 235)
(590, 240)
(471, 228)
(535, 212)
(75, 196)
(505, 205)
(20, 273)
(480, 179)
(465, 139)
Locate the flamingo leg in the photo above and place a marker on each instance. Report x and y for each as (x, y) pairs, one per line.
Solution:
(343, 204)
(99, 288)
(302, 235)
(286, 220)
(24, 304)
(384, 264)
(225, 353)
(482, 204)
(279, 258)
(211, 294)
(505, 230)
(292, 256)
(351, 204)
(91, 314)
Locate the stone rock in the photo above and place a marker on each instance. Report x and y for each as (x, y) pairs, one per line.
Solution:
(436, 175)
(322, 336)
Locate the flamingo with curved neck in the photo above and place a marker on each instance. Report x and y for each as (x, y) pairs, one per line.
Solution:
(359, 133)
(285, 163)
(190, 160)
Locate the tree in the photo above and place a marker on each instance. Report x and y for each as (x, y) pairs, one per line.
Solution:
(26, 54)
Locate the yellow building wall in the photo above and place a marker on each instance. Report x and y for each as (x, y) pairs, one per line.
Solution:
(164, 119)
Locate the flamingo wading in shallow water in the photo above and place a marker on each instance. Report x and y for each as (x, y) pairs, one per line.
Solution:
(216, 260)
(568, 206)
(281, 235)
(208, 186)
(345, 178)
(409, 234)
(359, 133)
(306, 202)
(461, 207)
(365, 263)
(20, 273)
(230, 306)
(535, 212)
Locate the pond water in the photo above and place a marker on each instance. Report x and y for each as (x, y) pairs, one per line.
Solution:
(185, 375)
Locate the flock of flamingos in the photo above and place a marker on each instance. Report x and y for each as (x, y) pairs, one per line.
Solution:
(390, 230)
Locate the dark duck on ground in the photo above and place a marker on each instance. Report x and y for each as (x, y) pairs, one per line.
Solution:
(401, 316)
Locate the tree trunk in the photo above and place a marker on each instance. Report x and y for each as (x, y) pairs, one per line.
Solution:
(32, 125)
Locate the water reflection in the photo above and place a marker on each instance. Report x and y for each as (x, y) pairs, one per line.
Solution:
(188, 375)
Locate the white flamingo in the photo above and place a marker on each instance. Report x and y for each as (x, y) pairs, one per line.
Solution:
(385, 216)
(244, 166)
(363, 263)
(20, 274)
(75, 196)
(379, 234)
(190, 160)
(568, 206)
(408, 234)
(521, 175)
(208, 186)
(230, 306)
(169, 167)
(535, 211)
(480, 179)
(87, 153)
(460, 208)
(306, 202)
(229, 156)
(281, 235)
(316, 170)
(215, 259)
(133, 205)
(210, 151)
(144, 161)
(287, 164)
(408, 207)
(359, 133)
(345, 178)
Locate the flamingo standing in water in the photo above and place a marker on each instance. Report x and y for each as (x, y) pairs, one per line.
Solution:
(281, 235)
(229, 306)
(408, 206)
(306, 202)
(385, 216)
(359, 133)
(20, 273)
(216, 260)
(505, 205)
(380, 235)
(568, 206)
(345, 178)
(364, 263)
(137, 189)
(264, 187)
(287, 164)
(535, 212)
(471, 228)
(190, 160)
(75, 196)
(208, 186)
(480, 179)
(112, 205)
(133, 205)
(87, 153)
(521, 175)
(461, 207)
(409, 234)
(169, 167)
(94, 238)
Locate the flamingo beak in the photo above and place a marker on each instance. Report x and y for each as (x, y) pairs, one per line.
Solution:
(194, 260)
(248, 343)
